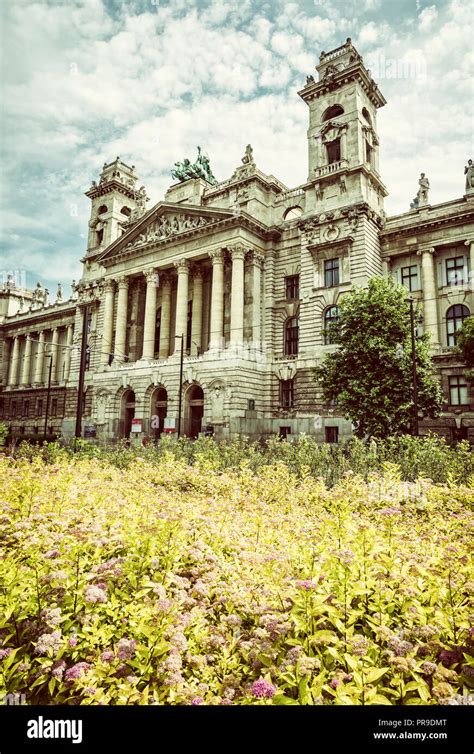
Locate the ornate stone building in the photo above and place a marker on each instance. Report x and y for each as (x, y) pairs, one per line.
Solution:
(247, 275)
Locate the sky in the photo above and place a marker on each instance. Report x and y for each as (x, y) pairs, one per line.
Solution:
(83, 81)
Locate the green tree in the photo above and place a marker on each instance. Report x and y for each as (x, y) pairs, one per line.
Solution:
(370, 375)
(465, 342)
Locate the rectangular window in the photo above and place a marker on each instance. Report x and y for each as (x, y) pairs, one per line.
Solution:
(2, 407)
(331, 434)
(455, 271)
(291, 337)
(26, 408)
(334, 151)
(13, 408)
(292, 287)
(39, 407)
(286, 393)
(251, 404)
(410, 277)
(458, 391)
(284, 432)
(54, 407)
(331, 272)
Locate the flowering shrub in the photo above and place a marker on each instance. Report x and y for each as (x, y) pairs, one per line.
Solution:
(180, 584)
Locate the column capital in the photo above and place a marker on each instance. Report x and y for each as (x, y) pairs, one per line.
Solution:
(217, 256)
(109, 285)
(427, 250)
(182, 265)
(123, 281)
(152, 276)
(237, 251)
(257, 258)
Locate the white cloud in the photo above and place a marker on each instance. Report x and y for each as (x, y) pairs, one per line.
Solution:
(151, 81)
(428, 17)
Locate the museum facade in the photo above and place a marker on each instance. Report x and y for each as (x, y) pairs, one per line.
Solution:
(229, 289)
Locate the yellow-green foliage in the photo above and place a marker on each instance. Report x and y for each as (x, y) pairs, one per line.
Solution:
(178, 584)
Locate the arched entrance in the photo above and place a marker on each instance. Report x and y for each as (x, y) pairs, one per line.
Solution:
(159, 410)
(127, 413)
(195, 410)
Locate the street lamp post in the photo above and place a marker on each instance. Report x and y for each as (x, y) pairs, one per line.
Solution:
(180, 392)
(413, 367)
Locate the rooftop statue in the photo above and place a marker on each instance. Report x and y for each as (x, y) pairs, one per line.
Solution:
(422, 194)
(185, 170)
(469, 173)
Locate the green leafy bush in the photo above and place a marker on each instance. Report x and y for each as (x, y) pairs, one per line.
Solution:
(132, 581)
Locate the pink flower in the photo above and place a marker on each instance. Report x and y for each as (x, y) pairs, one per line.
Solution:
(76, 671)
(107, 656)
(306, 584)
(5, 652)
(334, 683)
(48, 643)
(52, 554)
(72, 641)
(94, 594)
(197, 700)
(57, 669)
(126, 649)
(263, 689)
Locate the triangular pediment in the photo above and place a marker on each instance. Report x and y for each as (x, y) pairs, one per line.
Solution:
(166, 222)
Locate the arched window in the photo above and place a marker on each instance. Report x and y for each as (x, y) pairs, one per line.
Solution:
(102, 209)
(293, 212)
(332, 112)
(331, 317)
(366, 115)
(126, 211)
(291, 336)
(455, 316)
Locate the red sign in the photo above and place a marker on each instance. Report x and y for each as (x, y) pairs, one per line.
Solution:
(136, 425)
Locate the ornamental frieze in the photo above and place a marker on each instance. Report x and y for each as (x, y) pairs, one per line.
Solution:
(170, 225)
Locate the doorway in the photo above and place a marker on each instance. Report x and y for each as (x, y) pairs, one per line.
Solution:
(196, 410)
(127, 413)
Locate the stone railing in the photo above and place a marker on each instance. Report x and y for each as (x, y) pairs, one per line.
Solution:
(293, 194)
(333, 167)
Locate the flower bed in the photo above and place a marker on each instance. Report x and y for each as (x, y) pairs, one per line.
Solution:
(174, 584)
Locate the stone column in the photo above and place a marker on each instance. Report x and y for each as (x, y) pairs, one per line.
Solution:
(108, 325)
(121, 323)
(14, 363)
(257, 262)
(165, 317)
(237, 295)
(54, 355)
(470, 244)
(430, 310)
(67, 360)
(182, 298)
(38, 378)
(217, 299)
(25, 373)
(149, 325)
(6, 354)
(386, 266)
(196, 322)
